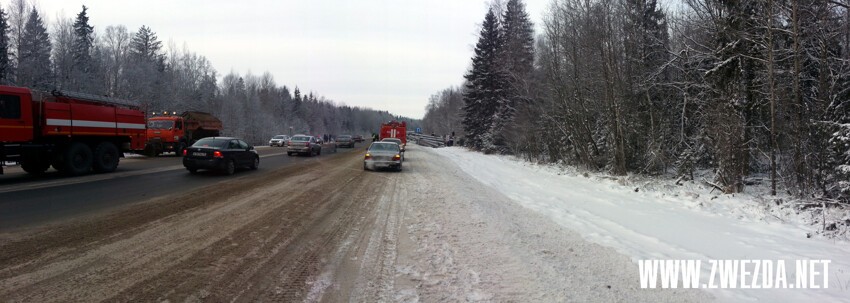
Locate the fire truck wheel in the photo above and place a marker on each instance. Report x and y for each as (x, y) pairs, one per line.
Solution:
(78, 159)
(105, 157)
(35, 166)
(179, 150)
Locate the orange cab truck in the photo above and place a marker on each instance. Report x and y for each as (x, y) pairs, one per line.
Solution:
(74, 132)
(173, 133)
(394, 129)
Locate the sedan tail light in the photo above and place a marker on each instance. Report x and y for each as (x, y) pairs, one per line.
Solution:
(217, 154)
(397, 157)
(185, 151)
(368, 156)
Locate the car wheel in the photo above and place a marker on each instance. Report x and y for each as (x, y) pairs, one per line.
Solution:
(256, 163)
(192, 170)
(230, 167)
(398, 168)
(319, 153)
(289, 154)
(365, 167)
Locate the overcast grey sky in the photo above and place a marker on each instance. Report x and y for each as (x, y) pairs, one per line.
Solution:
(384, 54)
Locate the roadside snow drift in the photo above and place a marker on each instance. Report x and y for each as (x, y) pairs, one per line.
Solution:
(670, 223)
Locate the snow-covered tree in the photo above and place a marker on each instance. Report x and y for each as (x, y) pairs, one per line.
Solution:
(5, 49)
(34, 55)
(516, 114)
(84, 68)
(485, 87)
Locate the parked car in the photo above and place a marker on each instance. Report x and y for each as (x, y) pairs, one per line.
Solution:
(396, 141)
(382, 155)
(279, 140)
(224, 154)
(303, 144)
(358, 138)
(344, 141)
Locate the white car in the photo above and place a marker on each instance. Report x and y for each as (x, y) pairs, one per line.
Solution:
(279, 140)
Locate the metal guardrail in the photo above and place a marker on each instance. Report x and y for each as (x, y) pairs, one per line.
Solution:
(425, 140)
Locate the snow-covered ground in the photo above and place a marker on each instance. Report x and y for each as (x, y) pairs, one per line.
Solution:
(664, 222)
(462, 241)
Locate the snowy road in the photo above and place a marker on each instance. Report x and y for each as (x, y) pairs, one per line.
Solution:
(665, 223)
(322, 231)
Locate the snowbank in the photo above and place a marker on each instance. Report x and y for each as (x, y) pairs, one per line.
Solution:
(667, 222)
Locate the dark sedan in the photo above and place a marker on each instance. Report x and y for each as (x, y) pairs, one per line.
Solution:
(223, 154)
(345, 141)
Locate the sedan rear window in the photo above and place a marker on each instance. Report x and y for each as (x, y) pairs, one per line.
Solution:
(301, 139)
(220, 143)
(384, 147)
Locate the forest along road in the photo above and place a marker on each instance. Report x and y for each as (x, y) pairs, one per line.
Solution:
(321, 231)
(27, 201)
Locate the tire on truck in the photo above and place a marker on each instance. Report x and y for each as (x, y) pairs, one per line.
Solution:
(106, 157)
(77, 159)
(34, 164)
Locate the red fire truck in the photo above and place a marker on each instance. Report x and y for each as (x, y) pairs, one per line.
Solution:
(394, 129)
(73, 132)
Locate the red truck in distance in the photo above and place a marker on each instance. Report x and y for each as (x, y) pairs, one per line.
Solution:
(169, 132)
(73, 132)
(394, 129)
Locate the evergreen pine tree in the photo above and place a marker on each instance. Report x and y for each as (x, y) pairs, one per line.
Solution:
(485, 87)
(83, 69)
(34, 58)
(517, 60)
(5, 62)
(145, 45)
(145, 68)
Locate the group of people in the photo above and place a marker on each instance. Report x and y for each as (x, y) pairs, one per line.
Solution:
(449, 140)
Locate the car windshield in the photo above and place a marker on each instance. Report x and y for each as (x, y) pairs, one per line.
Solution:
(343, 137)
(383, 147)
(301, 139)
(279, 137)
(160, 124)
(219, 143)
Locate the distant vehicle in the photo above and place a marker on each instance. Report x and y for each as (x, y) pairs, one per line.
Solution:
(358, 138)
(279, 140)
(396, 141)
(394, 129)
(382, 155)
(345, 141)
(170, 132)
(301, 144)
(223, 154)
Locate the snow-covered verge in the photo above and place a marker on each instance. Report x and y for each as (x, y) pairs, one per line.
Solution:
(664, 221)
(461, 241)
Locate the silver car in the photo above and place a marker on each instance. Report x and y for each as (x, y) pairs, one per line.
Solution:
(279, 140)
(301, 144)
(382, 155)
(396, 141)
